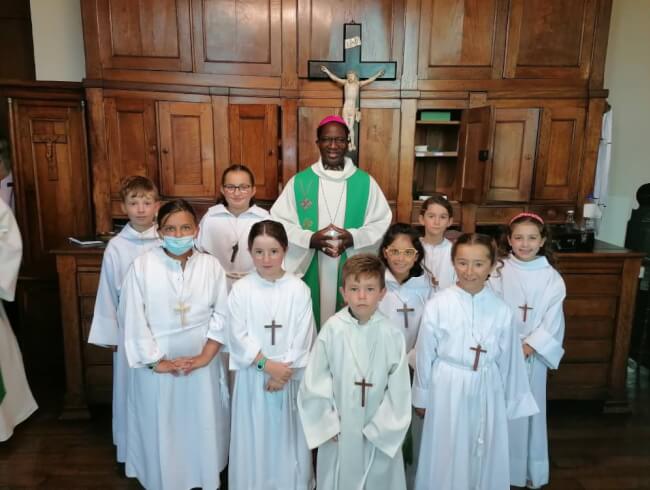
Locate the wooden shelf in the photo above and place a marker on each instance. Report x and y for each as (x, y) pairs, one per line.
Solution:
(437, 123)
(429, 154)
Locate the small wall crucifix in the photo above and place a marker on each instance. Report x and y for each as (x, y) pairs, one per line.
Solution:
(50, 141)
(352, 74)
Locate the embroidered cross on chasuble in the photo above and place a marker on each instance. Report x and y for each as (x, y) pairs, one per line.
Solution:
(306, 187)
(182, 308)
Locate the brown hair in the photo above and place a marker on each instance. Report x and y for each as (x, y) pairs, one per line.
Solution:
(138, 185)
(392, 233)
(172, 207)
(440, 200)
(364, 264)
(269, 228)
(544, 231)
(237, 167)
(476, 239)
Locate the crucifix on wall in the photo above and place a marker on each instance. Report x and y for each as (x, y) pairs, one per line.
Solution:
(352, 74)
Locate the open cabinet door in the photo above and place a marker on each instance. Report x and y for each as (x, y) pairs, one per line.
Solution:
(473, 152)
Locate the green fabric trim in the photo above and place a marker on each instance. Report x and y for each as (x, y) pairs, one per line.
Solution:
(2, 388)
(306, 194)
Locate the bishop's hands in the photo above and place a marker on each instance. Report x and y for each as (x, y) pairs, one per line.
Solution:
(331, 240)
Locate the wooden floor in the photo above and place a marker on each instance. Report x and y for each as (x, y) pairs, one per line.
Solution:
(589, 450)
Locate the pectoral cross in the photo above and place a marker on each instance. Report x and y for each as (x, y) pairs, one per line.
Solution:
(478, 351)
(273, 326)
(363, 386)
(525, 308)
(406, 311)
(182, 308)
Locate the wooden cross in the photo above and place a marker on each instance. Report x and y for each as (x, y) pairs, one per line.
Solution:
(182, 308)
(50, 154)
(273, 326)
(525, 308)
(406, 311)
(478, 351)
(352, 62)
(434, 282)
(363, 386)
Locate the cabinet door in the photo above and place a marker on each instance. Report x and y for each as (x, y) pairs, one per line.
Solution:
(187, 149)
(254, 143)
(145, 34)
(550, 38)
(462, 39)
(131, 140)
(560, 152)
(473, 151)
(237, 37)
(514, 141)
(51, 172)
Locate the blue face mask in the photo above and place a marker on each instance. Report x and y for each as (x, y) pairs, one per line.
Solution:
(178, 246)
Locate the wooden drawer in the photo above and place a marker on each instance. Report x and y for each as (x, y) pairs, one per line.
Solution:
(585, 327)
(590, 307)
(587, 284)
(568, 264)
(87, 283)
(551, 213)
(580, 374)
(487, 215)
(587, 351)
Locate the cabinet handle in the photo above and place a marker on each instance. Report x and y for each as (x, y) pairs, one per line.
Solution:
(165, 151)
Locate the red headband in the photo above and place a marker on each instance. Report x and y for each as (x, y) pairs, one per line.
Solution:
(534, 216)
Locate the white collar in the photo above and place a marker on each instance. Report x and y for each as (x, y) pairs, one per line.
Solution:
(410, 283)
(336, 175)
(537, 263)
(130, 233)
(220, 209)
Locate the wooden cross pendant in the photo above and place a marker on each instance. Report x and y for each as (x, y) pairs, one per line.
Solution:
(182, 308)
(406, 311)
(478, 351)
(235, 249)
(363, 386)
(525, 308)
(434, 282)
(273, 326)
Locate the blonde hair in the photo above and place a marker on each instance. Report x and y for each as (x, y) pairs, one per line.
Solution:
(364, 265)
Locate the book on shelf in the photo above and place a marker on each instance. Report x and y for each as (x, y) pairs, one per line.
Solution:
(86, 242)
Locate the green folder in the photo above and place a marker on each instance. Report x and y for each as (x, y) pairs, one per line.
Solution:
(435, 116)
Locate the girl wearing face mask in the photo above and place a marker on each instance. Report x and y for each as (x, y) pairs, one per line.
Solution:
(173, 307)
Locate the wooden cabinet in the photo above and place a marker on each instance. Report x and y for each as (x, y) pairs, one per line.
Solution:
(601, 289)
(254, 142)
(550, 38)
(88, 369)
(237, 38)
(144, 35)
(560, 152)
(461, 39)
(131, 140)
(48, 139)
(187, 165)
(514, 143)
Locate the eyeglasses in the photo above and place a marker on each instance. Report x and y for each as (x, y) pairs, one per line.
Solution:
(327, 140)
(243, 188)
(407, 252)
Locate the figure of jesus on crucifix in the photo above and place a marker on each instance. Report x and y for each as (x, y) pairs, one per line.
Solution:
(352, 86)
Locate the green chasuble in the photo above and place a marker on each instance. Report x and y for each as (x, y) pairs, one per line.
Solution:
(2, 388)
(306, 187)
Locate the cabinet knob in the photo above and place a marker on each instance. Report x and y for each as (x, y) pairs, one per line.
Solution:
(165, 151)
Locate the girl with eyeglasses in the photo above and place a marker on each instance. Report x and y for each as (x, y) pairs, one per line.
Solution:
(223, 231)
(408, 288)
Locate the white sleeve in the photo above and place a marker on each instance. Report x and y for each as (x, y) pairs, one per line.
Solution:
(425, 355)
(104, 329)
(284, 211)
(139, 343)
(547, 338)
(298, 353)
(376, 222)
(219, 317)
(11, 252)
(243, 347)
